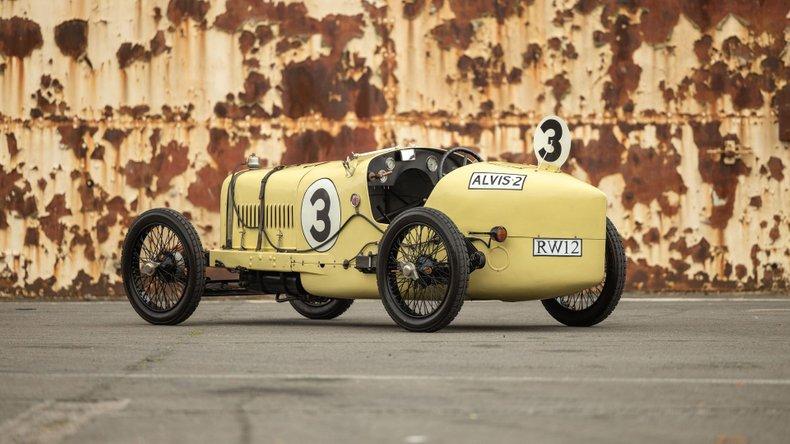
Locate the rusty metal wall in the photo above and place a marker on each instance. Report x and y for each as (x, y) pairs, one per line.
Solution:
(679, 110)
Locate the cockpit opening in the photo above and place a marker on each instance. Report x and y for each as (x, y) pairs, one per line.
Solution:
(403, 179)
(410, 189)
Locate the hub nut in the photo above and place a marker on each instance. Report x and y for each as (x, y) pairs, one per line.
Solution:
(148, 268)
(409, 270)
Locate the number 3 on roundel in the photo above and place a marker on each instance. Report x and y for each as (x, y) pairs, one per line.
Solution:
(552, 141)
(320, 214)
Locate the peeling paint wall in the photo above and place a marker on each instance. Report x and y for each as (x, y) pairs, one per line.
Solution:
(680, 111)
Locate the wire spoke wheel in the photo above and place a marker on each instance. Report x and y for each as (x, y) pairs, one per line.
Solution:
(583, 299)
(423, 270)
(316, 301)
(158, 268)
(592, 305)
(418, 270)
(163, 266)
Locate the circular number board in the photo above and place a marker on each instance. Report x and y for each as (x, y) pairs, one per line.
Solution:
(321, 214)
(552, 141)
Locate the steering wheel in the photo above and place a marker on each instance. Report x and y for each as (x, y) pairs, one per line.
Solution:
(466, 152)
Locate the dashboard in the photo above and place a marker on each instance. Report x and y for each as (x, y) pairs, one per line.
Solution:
(403, 179)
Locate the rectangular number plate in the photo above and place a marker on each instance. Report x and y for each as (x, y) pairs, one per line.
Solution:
(496, 181)
(556, 247)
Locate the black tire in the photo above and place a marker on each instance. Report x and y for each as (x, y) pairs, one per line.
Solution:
(442, 277)
(607, 293)
(314, 307)
(172, 292)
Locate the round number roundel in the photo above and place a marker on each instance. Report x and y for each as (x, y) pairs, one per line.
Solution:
(320, 214)
(552, 141)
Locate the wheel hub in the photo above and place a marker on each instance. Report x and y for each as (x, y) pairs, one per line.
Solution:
(409, 270)
(157, 271)
(426, 265)
(148, 268)
(167, 269)
(420, 271)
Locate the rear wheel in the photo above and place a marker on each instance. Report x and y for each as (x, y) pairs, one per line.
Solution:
(592, 305)
(163, 267)
(315, 307)
(423, 270)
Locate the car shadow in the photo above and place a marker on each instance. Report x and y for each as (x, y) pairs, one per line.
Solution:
(461, 327)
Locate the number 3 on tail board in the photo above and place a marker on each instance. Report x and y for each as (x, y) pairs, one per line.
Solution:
(320, 214)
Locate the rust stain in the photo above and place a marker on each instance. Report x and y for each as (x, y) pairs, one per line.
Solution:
(154, 175)
(19, 37)
(492, 70)
(135, 112)
(699, 252)
(71, 37)
(115, 137)
(781, 102)
(228, 155)
(180, 10)
(776, 168)
(115, 212)
(316, 86)
(170, 161)
(14, 190)
(83, 238)
(158, 44)
(51, 223)
(454, 34)
(238, 11)
(532, 55)
(702, 48)
(129, 53)
(559, 85)
(718, 172)
(316, 146)
(412, 8)
(651, 237)
(650, 173)
(11, 144)
(255, 86)
(624, 73)
(498, 9)
(74, 138)
(600, 157)
(49, 99)
(31, 236)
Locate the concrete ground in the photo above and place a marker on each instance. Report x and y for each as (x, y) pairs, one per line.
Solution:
(705, 368)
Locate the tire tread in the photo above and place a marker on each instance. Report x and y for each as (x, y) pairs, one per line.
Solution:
(330, 311)
(193, 243)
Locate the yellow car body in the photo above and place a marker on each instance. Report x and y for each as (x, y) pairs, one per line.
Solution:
(551, 211)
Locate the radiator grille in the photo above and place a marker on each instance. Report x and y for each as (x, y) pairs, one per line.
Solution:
(276, 215)
(279, 216)
(248, 215)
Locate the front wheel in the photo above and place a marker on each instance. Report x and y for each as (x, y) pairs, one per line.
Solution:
(163, 267)
(592, 305)
(423, 270)
(315, 307)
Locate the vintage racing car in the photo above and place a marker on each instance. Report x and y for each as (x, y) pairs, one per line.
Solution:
(423, 229)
